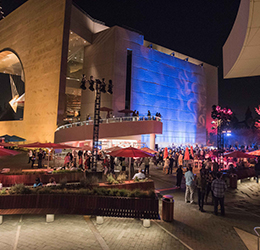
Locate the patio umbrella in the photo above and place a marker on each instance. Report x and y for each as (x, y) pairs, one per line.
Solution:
(85, 147)
(106, 109)
(130, 152)
(126, 111)
(6, 137)
(115, 148)
(46, 145)
(165, 153)
(186, 154)
(191, 151)
(5, 144)
(15, 138)
(256, 152)
(6, 152)
(239, 154)
(149, 150)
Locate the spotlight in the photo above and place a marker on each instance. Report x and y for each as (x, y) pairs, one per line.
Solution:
(150, 46)
(110, 87)
(186, 59)
(83, 82)
(103, 86)
(91, 83)
(172, 54)
(201, 65)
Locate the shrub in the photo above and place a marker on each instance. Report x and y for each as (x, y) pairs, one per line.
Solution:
(63, 182)
(3, 191)
(88, 181)
(121, 178)
(123, 192)
(19, 189)
(111, 179)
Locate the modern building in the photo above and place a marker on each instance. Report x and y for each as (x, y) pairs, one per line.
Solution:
(241, 52)
(54, 43)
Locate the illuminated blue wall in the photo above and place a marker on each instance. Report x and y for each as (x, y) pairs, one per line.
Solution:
(173, 87)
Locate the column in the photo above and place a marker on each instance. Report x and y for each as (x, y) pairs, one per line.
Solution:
(152, 141)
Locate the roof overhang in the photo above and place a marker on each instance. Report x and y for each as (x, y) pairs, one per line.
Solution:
(241, 52)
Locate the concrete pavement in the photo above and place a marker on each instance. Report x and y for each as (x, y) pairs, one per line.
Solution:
(191, 229)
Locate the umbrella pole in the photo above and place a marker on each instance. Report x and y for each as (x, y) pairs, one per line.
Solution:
(129, 163)
(48, 159)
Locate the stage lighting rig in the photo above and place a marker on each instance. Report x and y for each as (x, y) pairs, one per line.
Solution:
(91, 83)
(103, 86)
(110, 87)
(83, 82)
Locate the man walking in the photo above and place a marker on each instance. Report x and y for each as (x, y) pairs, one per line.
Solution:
(219, 187)
(189, 178)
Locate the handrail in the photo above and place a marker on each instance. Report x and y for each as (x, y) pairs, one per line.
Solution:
(258, 235)
(112, 120)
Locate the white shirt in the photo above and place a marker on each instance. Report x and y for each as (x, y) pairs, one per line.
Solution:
(139, 176)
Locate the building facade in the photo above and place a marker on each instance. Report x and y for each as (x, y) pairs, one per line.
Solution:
(59, 43)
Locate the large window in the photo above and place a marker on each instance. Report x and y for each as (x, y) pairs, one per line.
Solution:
(12, 94)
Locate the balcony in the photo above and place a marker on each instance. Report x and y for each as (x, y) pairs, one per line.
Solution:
(109, 128)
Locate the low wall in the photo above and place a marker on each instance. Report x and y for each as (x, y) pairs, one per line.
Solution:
(131, 185)
(146, 208)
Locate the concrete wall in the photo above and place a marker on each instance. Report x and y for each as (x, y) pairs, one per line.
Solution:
(115, 130)
(160, 83)
(35, 31)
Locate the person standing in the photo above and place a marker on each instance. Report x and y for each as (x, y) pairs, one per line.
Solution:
(201, 184)
(189, 178)
(30, 156)
(219, 187)
(166, 165)
(33, 158)
(257, 169)
(171, 164)
(40, 156)
(146, 165)
(179, 176)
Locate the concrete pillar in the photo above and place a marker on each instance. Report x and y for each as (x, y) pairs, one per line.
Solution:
(1, 219)
(49, 217)
(146, 223)
(152, 141)
(100, 220)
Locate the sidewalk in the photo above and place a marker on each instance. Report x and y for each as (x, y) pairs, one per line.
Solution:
(190, 229)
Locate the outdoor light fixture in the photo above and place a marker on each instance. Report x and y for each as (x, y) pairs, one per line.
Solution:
(83, 82)
(91, 83)
(150, 46)
(201, 65)
(103, 86)
(172, 54)
(110, 87)
(186, 59)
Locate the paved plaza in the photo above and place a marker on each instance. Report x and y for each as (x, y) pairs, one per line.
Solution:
(190, 229)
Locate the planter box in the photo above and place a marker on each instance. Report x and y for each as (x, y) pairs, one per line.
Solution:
(146, 208)
(131, 185)
(29, 179)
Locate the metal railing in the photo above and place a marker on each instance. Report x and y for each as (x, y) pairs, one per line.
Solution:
(111, 120)
(258, 236)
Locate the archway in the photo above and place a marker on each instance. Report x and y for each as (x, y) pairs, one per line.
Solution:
(12, 94)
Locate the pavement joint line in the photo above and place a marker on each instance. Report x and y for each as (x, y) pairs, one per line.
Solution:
(18, 233)
(175, 237)
(96, 233)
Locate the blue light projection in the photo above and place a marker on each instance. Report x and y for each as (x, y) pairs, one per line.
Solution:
(176, 89)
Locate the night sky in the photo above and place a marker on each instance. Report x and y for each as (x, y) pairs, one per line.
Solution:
(195, 28)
